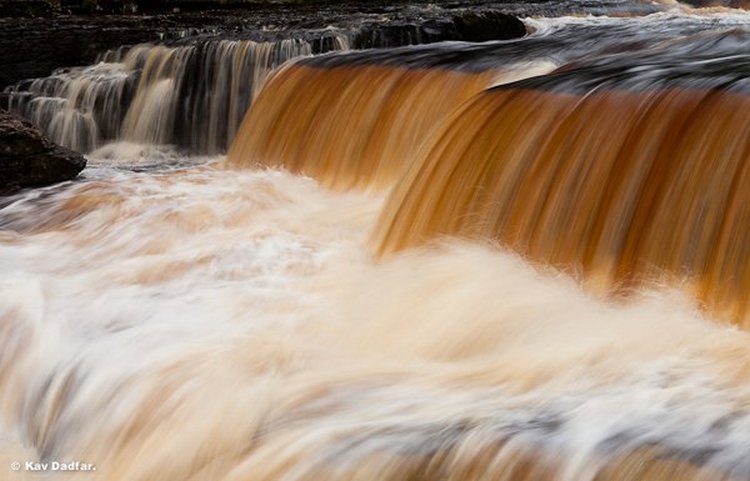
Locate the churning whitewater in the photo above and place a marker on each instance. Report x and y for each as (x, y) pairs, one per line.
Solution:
(296, 311)
(202, 324)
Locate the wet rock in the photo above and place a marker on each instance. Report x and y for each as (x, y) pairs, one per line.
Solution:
(26, 8)
(28, 158)
(34, 47)
(467, 26)
(489, 25)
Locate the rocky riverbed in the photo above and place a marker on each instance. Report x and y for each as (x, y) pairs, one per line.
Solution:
(77, 39)
(29, 28)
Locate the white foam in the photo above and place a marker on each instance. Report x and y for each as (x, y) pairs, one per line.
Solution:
(209, 324)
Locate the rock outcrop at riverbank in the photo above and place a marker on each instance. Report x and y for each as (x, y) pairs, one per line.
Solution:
(28, 158)
(78, 39)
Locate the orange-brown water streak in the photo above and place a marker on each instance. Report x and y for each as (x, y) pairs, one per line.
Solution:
(623, 185)
(350, 126)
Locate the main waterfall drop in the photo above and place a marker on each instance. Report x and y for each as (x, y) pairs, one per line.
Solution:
(629, 175)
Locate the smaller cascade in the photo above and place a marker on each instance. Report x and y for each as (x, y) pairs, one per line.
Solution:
(76, 107)
(222, 81)
(151, 115)
(192, 96)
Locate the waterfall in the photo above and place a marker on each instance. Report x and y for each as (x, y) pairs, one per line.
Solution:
(357, 125)
(77, 107)
(191, 96)
(626, 175)
(522, 260)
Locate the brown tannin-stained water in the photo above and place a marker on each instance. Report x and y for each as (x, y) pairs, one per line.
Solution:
(624, 173)
(519, 260)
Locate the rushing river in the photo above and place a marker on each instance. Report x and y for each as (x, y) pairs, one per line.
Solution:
(518, 260)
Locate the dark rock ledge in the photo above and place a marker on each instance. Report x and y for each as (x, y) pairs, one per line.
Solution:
(34, 47)
(28, 158)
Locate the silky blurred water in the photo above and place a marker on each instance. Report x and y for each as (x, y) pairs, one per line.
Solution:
(166, 318)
